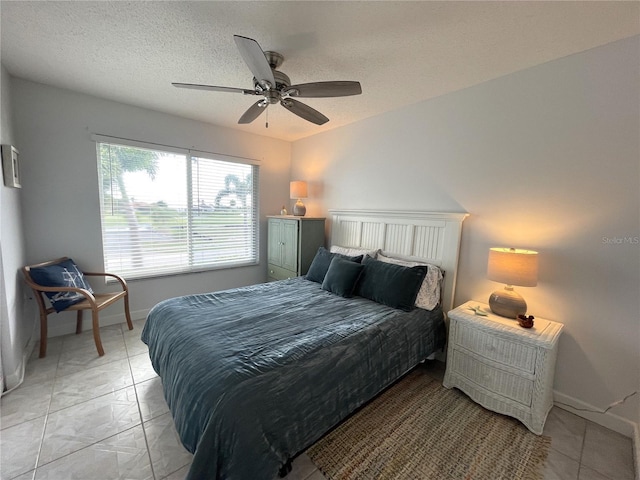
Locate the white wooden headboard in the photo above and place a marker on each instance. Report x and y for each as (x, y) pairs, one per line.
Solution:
(430, 237)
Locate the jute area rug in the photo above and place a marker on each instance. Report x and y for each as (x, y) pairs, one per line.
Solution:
(419, 430)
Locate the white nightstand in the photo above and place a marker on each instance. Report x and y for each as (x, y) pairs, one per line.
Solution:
(502, 366)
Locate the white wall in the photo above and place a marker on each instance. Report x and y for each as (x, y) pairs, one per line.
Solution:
(546, 159)
(16, 326)
(61, 208)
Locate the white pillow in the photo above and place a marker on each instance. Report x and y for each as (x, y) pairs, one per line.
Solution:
(354, 252)
(429, 293)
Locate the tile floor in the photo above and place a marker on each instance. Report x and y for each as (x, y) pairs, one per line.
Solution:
(80, 416)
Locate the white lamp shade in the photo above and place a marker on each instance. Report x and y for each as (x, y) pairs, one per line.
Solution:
(298, 189)
(513, 266)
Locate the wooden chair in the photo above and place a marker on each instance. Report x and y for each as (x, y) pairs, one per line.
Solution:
(93, 301)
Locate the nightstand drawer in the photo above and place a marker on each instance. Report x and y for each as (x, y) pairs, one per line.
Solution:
(498, 381)
(512, 353)
(279, 273)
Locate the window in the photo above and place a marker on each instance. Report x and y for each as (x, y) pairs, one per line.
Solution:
(166, 212)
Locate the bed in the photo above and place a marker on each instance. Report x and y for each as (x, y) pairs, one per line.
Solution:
(255, 375)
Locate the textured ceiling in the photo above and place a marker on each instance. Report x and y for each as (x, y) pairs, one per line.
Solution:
(401, 52)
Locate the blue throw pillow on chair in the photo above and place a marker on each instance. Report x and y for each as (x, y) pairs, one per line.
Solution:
(63, 274)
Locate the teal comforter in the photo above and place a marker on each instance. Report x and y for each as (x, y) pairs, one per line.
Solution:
(255, 375)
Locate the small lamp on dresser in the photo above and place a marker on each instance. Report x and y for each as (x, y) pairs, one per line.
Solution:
(512, 267)
(298, 190)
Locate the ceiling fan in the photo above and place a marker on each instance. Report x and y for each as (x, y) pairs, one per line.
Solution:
(274, 86)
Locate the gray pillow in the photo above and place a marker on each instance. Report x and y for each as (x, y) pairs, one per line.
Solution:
(390, 284)
(342, 276)
(320, 264)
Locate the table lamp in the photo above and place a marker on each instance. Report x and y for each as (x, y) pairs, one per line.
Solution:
(512, 267)
(298, 190)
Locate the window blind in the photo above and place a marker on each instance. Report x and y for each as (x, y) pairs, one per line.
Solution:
(165, 212)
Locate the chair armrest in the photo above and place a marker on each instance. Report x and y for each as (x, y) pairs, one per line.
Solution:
(122, 281)
(86, 293)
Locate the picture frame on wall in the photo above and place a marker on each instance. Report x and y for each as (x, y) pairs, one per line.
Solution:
(11, 166)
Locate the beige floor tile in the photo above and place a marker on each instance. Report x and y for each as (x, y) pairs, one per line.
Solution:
(588, 474)
(81, 358)
(560, 467)
(134, 345)
(177, 475)
(301, 469)
(166, 452)
(151, 399)
(25, 403)
(40, 370)
(85, 339)
(138, 325)
(566, 431)
(26, 476)
(54, 347)
(74, 428)
(136, 348)
(122, 456)
(608, 453)
(90, 383)
(19, 447)
(316, 475)
(141, 368)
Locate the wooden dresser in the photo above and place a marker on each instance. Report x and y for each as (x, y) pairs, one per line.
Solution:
(292, 245)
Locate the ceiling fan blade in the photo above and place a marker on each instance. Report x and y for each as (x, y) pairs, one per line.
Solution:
(214, 88)
(304, 111)
(253, 112)
(254, 57)
(324, 89)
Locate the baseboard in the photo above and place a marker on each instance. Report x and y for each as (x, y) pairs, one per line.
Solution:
(609, 420)
(57, 329)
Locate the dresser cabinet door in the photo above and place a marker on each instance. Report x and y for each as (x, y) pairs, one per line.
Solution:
(274, 249)
(289, 239)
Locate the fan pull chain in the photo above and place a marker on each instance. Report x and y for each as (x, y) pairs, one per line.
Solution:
(266, 125)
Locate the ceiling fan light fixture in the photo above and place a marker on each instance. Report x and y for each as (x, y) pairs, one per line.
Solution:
(272, 97)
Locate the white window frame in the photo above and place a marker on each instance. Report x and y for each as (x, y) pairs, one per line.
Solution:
(190, 155)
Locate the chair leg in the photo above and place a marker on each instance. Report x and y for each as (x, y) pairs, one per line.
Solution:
(96, 332)
(43, 335)
(79, 322)
(127, 314)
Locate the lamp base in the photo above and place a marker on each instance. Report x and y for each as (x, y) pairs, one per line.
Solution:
(507, 303)
(299, 209)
